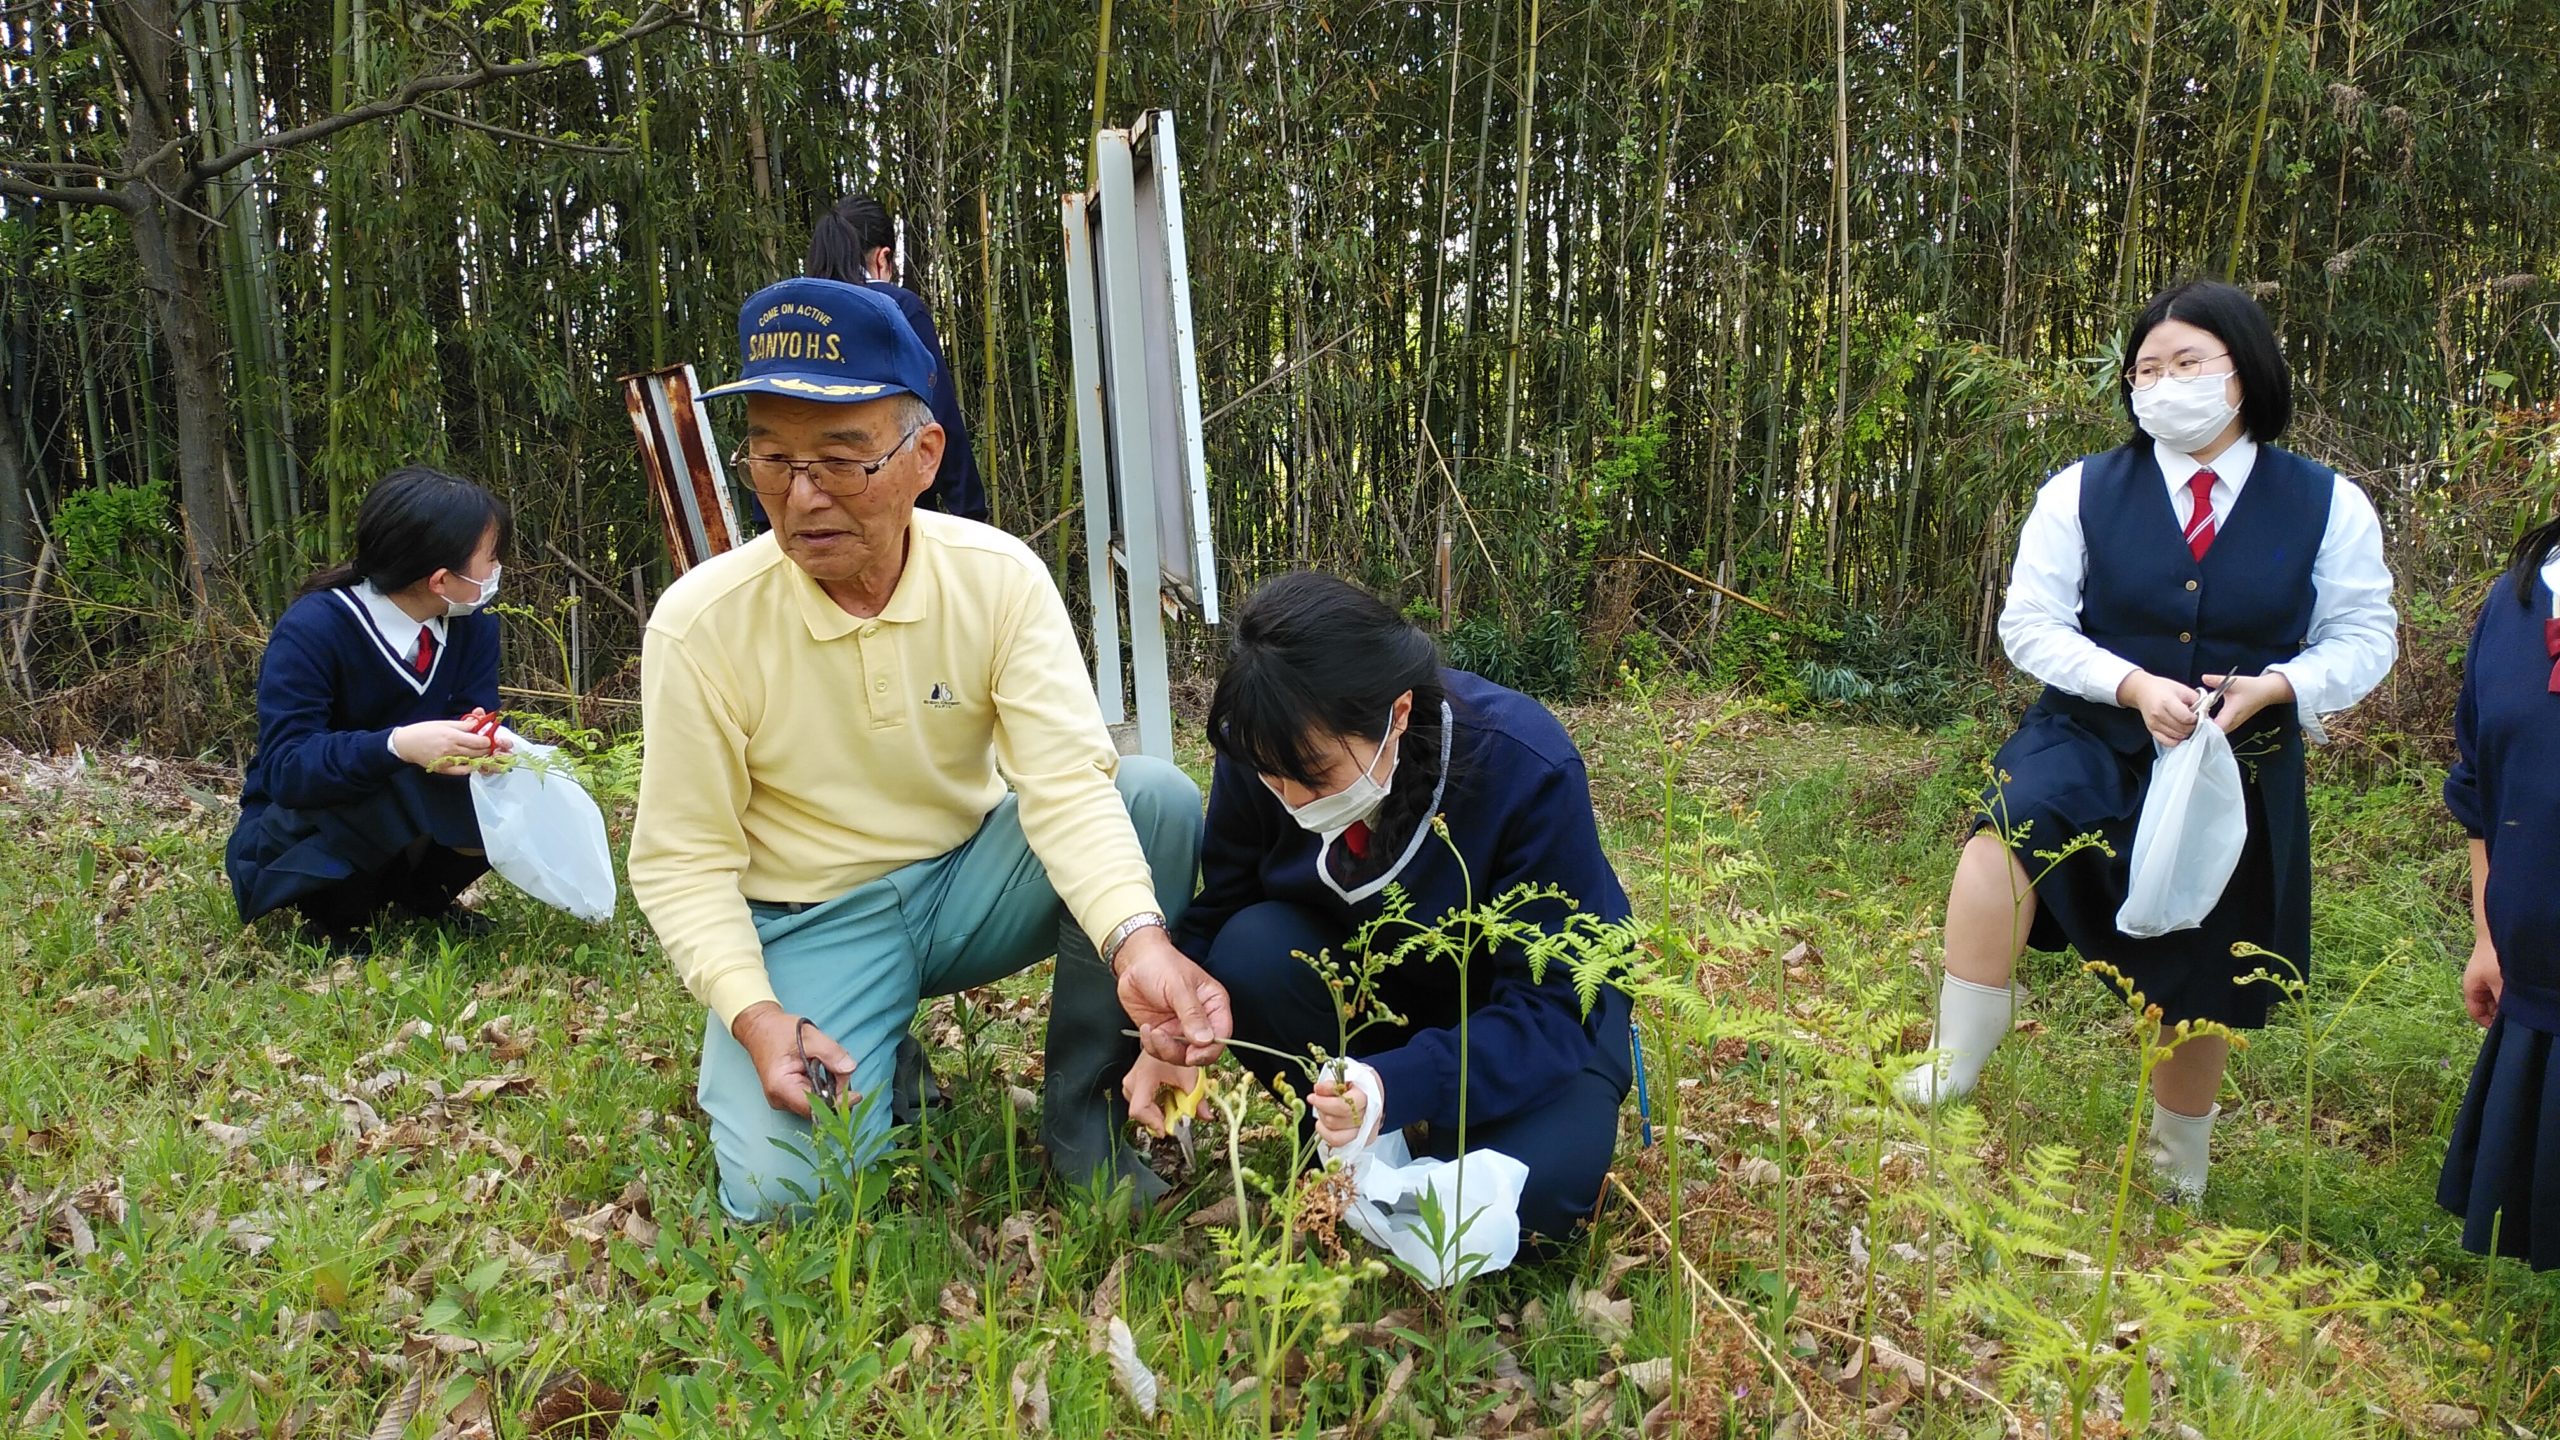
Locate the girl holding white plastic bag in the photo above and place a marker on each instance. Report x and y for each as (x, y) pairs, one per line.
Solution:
(2195, 556)
(1340, 738)
(356, 798)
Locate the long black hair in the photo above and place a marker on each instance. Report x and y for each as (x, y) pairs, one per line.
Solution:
(2230, 316)
(414, 522)
(841, 245)
(1316, 657)
(2533, 551)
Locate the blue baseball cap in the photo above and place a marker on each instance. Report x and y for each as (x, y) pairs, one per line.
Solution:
(827, 341)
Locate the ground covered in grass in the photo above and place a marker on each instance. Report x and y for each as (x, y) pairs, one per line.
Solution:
(461, 1191)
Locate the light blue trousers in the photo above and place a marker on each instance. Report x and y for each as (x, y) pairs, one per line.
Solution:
(856, 966)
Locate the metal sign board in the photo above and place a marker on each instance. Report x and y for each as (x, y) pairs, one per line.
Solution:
(681, 465)
(1137, 396)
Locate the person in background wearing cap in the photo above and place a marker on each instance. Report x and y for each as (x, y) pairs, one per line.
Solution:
(854, 243)
(832, 714)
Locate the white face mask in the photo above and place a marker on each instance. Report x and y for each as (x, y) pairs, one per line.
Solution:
(455, 609)
(1330, 815)
(2186, 414)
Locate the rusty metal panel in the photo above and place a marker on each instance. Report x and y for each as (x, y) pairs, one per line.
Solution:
(682, 465)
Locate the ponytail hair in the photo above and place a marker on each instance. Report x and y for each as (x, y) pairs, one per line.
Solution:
(414, 522)
(841, 245)
(2532, 552)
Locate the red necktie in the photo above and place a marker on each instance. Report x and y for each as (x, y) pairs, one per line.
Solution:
(426, 650)
(2551, 644)
(2200, 520)
(1355, 837)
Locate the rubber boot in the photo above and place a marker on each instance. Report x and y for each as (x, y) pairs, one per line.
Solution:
(1971, 1021)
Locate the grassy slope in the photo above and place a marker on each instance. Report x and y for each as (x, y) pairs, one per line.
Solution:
(294, 1278)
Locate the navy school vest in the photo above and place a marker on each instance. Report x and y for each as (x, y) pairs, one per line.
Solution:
(2245, 606)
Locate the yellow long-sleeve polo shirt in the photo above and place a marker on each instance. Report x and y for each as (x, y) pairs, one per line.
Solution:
(793, 751)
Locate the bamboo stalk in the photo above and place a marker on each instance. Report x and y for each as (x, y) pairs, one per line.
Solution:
(2257, 140)
(1520, 235)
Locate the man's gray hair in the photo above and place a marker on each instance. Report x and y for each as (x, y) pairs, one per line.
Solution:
(911, 413)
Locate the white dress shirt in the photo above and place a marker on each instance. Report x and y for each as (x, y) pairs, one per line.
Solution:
(2354, 633)
(2551, 581)
(397, 628)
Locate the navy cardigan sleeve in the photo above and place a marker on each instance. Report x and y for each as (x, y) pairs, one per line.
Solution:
(1529, 1036)
(306, 764)
(480, 687)
(1233, 841)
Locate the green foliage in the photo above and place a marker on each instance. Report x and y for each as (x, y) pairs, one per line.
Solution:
(1545, 659)
(118, 552)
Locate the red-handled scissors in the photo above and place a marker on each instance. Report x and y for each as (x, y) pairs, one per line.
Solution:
(483, 723)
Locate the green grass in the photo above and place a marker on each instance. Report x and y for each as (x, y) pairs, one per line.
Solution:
(209, 1239)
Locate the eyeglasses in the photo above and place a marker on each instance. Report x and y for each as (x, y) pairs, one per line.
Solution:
(771, 476)
(2185, 367)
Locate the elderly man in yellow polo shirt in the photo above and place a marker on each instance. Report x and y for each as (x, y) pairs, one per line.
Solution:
(875, 770)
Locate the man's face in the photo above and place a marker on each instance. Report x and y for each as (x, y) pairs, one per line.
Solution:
(844, 537)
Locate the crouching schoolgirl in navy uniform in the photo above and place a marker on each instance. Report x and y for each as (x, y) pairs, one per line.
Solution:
(1339, 739)
(356, 797)
(2499, 1173)
(2194, 554)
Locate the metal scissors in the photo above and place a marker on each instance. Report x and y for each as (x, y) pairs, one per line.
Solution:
(2213, 698)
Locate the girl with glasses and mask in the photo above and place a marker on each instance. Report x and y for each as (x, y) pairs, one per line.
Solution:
(356, 798)
(1339, 738)
(2195, 557)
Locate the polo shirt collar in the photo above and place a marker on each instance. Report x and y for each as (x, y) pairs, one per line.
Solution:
(911, 601)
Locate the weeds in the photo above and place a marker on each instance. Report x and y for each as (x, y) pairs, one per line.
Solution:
(257, 1192)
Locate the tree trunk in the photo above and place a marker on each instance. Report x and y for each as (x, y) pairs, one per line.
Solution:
(171, 242)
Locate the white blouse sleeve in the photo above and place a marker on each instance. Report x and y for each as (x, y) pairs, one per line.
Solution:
(2355, 634)
(2040, 622)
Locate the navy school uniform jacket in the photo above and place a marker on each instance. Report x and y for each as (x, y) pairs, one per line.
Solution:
(2505, 791)
(324, 800)
(330, 693)
(957, 488)
(1518, 806)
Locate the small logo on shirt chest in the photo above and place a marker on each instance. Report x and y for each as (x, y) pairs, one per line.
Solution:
(940, 696)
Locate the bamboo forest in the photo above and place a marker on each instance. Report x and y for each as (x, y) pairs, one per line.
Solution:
(1690, 369)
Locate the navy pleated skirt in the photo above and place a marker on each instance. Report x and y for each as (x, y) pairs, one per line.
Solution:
(2502, 1171)
(280, 856)
(2073, 768)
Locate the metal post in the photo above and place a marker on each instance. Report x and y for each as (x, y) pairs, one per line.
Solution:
(1124, 355)
(1093, 445)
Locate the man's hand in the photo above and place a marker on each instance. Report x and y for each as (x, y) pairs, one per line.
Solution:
(780, 1043)
(1145, 1088)
(2168, 708)
(2248, 695)
(1347, 1102)
(2483, 983)
(1181, 1013)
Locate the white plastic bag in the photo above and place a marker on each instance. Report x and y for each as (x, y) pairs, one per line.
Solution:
(1391, 1186)
(544, 833)
(2188, 841)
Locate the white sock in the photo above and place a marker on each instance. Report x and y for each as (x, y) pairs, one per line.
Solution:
(2181, 1149)
(1971, 1020)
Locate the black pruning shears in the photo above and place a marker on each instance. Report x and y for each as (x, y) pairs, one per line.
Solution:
(824, 1083)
